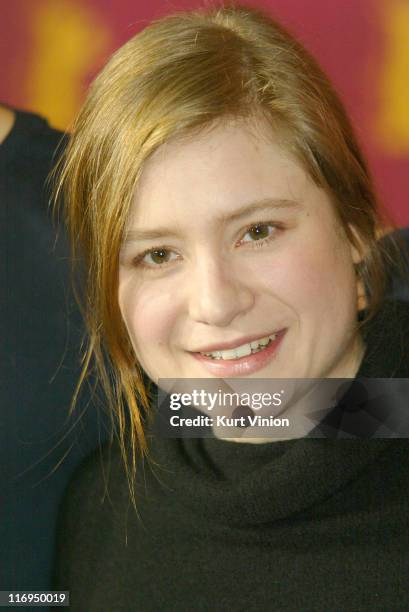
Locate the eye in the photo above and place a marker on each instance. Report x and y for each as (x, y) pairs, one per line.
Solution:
(259, 231)
(155, 258)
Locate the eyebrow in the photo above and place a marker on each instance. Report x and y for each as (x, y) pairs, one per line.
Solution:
(264, 205)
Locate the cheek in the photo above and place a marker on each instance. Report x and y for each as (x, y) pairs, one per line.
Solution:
(308, 276)
(332, 286)
(149, 314)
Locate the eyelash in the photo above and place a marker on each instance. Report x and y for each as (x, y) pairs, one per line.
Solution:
(138, 260)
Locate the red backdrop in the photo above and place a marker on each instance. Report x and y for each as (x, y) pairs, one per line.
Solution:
(52, 48)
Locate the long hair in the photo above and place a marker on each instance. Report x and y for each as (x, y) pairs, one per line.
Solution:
(178, 76)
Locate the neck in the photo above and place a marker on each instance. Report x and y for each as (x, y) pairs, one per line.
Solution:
(299, 410)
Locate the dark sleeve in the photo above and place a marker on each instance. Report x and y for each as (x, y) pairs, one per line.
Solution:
(41, 332)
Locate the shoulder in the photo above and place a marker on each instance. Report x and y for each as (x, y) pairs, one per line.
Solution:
(95, 481)
(394, 319)
(387, 339)
(99, 491)
(28, 137)
(28, 155)
(88, 512)
(394, 316)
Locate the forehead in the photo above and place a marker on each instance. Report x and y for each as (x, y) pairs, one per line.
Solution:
(218, 171)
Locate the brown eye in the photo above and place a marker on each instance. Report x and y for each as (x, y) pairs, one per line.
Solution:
(157, 256)
(160, 256)
(259, 231)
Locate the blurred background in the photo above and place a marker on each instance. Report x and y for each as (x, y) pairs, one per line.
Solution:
(51, 49)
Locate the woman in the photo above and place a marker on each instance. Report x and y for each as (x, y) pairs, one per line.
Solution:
(229, 225)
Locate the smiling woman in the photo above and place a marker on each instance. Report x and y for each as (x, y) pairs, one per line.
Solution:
(150, 100)
(228, 224)
(279, 268)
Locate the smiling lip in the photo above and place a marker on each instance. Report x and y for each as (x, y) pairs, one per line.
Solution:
(225, 346)
(224, 368)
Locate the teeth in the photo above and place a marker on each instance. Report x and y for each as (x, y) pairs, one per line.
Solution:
(243, 350)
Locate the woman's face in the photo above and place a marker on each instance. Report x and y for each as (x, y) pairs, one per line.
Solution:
(233, 265)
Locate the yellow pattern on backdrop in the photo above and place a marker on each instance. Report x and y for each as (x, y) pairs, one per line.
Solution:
(392, 120)
(67, 40)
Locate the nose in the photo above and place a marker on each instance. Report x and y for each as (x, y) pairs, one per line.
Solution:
(218, 295)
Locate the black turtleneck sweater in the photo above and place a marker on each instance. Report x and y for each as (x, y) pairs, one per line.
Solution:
(298, 525)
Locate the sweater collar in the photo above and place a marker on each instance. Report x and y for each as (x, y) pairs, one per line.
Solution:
(251, 484)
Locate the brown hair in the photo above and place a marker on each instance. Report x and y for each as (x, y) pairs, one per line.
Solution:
(181, 74)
